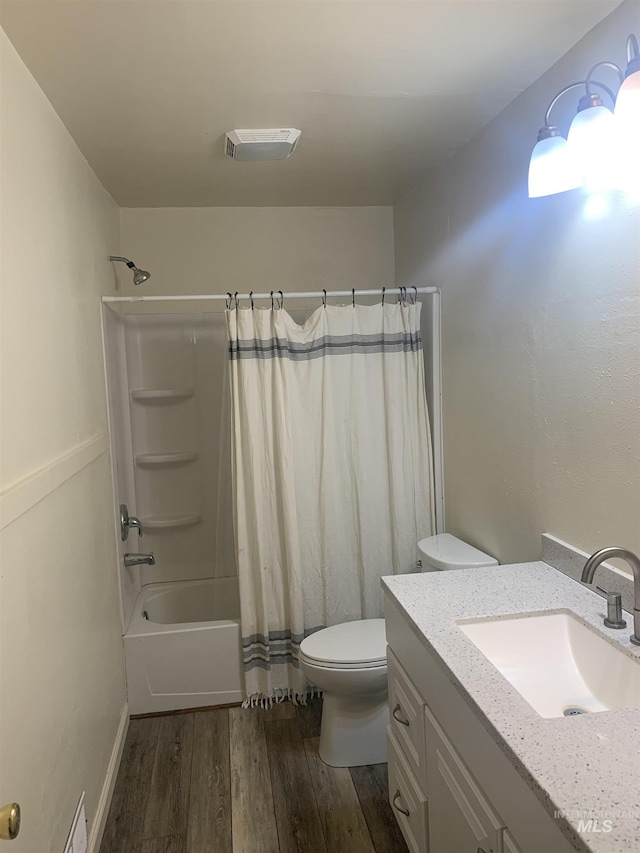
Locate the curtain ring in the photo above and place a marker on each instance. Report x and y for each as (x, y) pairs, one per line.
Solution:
(383, 290)
(281, 298)
(272, 304)
(415, 295)
(353, 296)
(229, 301)
(251, 299)
(404, 295)
(236, 300)
(324, 298)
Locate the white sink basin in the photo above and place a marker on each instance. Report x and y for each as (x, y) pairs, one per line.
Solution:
(557, 663)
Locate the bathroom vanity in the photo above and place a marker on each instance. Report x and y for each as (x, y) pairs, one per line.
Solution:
(474, 766)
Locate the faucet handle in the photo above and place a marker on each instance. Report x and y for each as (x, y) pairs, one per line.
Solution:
(135, 522)
(614, 609)
(127, 522)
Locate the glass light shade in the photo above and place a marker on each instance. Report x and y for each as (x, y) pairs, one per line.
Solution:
(627, 120)
(627, 111)
(592, 143)
(551, 169)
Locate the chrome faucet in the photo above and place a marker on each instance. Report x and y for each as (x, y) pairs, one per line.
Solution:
(135, 523)
(618, 553)
(127, 522)
(139, 560)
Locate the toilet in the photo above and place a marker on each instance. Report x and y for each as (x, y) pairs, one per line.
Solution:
(444, 552)
(348, 662)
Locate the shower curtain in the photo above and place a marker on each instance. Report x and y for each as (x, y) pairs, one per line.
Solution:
(332, 474)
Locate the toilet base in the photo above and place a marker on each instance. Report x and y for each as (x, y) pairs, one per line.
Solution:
(353, 730)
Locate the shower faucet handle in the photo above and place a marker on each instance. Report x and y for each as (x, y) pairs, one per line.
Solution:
(127, 522)
(135, 522)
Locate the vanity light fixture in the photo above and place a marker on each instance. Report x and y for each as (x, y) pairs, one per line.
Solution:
(601, 148)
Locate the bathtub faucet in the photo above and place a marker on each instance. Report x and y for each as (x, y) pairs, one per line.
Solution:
(139, 560)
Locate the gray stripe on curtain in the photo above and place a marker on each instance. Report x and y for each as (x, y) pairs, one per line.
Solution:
(280, 647)
(326, 345)
(267, 663)
(265, 640)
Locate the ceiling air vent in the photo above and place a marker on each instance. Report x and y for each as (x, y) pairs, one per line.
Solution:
(268, 144)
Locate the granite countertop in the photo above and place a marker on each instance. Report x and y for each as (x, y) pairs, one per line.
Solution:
(573, 765)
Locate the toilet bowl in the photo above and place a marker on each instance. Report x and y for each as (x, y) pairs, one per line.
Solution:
(348, 662)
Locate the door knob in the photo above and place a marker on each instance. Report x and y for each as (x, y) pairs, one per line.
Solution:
(9, 821)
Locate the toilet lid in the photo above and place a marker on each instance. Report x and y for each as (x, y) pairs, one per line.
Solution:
(444, 551)
(361, 642)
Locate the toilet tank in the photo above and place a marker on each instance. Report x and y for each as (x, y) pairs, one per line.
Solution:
(444, 552)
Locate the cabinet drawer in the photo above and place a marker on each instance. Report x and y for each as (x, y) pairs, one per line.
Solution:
(406, 710)
(462, 817)
(407, 800)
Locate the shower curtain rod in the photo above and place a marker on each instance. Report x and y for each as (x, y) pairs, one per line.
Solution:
(317, 294)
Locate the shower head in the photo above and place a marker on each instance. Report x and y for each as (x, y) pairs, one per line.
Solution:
(139, 276)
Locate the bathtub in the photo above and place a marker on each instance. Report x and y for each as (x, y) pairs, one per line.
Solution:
(183, 647)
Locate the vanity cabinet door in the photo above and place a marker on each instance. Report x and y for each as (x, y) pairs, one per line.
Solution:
(406, 717)
(407, 799)
(460, 817)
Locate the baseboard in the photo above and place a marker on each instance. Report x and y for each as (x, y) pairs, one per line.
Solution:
(100, 819)
(195, 710)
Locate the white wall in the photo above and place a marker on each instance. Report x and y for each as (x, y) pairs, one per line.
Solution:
(61, 660)
(540, 333)
(213, 250)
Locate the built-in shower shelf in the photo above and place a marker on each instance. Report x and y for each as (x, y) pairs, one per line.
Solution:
(152, 522)
(165, 460)
(151, 396)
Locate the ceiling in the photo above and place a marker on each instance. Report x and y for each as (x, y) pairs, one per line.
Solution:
(380, 90)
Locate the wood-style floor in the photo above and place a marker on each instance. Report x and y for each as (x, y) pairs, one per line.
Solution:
(244, 781)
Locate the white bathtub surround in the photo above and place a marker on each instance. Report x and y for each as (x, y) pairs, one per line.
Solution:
(182, 646)
(571, 764)
(170, 443)
(333, 472)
